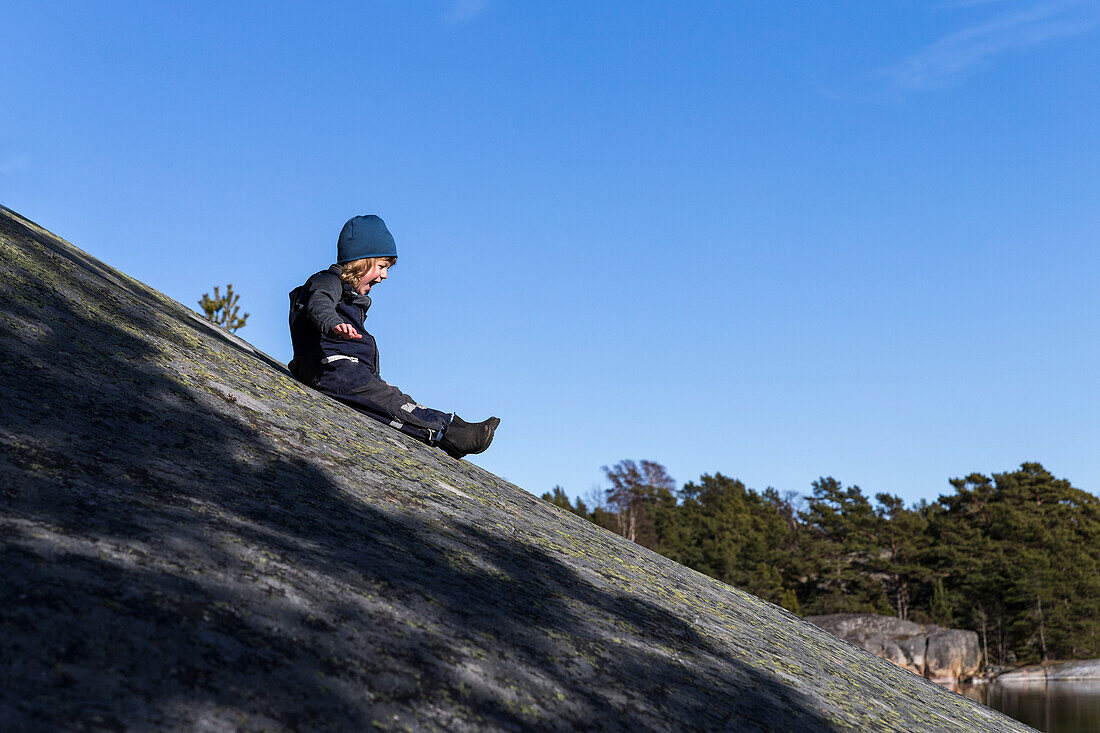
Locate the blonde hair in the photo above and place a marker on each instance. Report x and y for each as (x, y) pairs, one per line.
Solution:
(352, 272)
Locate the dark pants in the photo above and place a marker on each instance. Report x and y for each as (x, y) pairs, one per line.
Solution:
(352, 383)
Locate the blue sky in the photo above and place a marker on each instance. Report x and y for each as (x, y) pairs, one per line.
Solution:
(772, 239)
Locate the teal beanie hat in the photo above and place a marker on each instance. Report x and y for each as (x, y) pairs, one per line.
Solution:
(364, 236)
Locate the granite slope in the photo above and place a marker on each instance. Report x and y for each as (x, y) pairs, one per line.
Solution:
(192, 540)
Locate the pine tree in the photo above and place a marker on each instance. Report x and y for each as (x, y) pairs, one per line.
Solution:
(223, 309)
(739, 536)
(902, 540)
(840, 544)
(941, 608)
(557, 497)
(1020, 553)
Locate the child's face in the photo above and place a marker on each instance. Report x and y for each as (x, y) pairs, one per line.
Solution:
(373, 276)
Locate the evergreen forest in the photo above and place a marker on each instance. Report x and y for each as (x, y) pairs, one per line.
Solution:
(1013, 556)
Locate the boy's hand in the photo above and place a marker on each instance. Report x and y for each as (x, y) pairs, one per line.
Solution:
(346, 331)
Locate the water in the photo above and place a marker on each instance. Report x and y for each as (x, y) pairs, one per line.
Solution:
(1054, 707)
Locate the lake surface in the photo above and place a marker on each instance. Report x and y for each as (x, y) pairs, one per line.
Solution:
(1053, 707)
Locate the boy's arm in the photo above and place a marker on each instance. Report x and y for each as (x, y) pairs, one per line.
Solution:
(323, 293)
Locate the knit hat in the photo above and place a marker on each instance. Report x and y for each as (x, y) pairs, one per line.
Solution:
(365, 236)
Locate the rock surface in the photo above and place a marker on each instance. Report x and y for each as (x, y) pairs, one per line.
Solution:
(1088, 669)
(945, 656)
(192, 540)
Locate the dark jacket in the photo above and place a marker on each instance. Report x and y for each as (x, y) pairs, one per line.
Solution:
(316, 308)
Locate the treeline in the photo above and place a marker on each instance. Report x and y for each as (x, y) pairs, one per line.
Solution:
(1015, 556)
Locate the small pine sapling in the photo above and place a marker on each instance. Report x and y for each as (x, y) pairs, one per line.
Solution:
(223, 309)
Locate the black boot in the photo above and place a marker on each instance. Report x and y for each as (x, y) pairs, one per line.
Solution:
(461, 438)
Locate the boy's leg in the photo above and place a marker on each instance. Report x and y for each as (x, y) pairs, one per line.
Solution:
(389, 404)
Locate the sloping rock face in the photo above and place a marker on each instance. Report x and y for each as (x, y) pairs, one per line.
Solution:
(192, 540)
(945, 656)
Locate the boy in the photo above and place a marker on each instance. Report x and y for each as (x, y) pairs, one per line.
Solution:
(334, 354)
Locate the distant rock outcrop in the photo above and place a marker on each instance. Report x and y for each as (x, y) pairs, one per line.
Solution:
(945, 656)
(1088, 669)
(192, 540)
